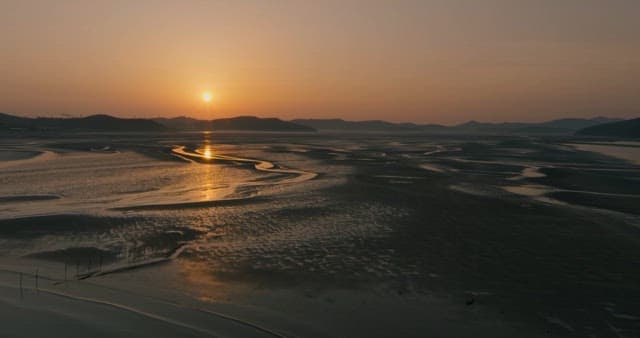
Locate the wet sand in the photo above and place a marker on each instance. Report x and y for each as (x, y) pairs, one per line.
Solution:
(323, 235)
(629, 151)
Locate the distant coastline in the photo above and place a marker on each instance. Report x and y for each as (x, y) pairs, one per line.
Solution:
(110, 123)
(598, 126)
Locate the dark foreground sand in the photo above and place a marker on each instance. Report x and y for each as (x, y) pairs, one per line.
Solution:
(103, 309)
(319, 236)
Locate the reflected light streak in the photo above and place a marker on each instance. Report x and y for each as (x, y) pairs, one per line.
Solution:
(207, 153)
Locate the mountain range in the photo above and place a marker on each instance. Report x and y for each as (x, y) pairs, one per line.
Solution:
(234, 123)
(89, 123)
(370, 125)
(599, 126)
(560, 126)
(110, 123)
(626, 129)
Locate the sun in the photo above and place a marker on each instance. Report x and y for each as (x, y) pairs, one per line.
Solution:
(207, 96)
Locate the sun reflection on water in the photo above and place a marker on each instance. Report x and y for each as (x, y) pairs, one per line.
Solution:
(207, 153)
(201, 282)
(207, 150)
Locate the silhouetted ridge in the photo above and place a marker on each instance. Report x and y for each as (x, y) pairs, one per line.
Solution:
(623, 129)
(560, 126)
(251, 123)
(89, 123)
(235, 123)
(370, 125)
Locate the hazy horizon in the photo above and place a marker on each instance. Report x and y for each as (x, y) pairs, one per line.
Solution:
(65, 116)
(409, 61)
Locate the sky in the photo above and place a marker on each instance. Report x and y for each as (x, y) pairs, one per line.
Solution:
(440, 61)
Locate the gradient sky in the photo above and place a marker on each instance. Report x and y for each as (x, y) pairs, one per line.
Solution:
(435, 61)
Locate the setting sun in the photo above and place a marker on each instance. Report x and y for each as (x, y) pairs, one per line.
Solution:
(349, 168)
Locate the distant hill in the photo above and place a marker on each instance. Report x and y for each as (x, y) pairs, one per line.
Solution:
(474, 126)
(110, 123)
(622, 129)
(560, 126)
(89, 123)
(183, 123)
(370, 125)
(252, 123)
(234, 123)
(576, 124)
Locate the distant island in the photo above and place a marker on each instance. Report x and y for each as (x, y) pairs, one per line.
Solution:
(599, 126)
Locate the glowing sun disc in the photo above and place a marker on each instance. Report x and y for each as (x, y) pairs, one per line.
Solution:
(207, 97)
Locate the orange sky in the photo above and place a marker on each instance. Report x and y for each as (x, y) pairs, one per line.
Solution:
(422, 61)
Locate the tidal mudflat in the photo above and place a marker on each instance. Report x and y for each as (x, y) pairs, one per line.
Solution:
(317, 235)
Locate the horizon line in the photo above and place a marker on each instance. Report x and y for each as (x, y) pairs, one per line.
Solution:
(70, 116)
